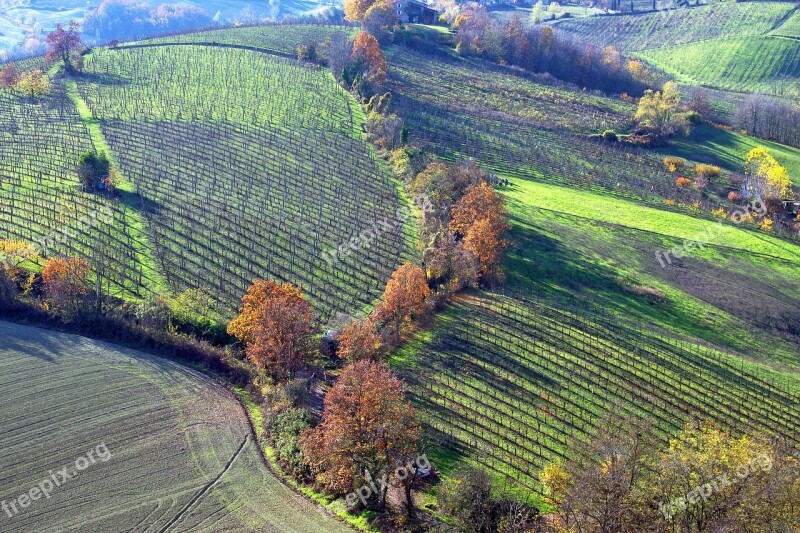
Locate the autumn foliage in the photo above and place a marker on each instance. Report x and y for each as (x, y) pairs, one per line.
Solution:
(368, 430)
(66, 284)
(404, 297)
(65, 45)
(9, 76)
(276, 324)
(367, 50)
(359, 340)
(683, 182)
(480, 219)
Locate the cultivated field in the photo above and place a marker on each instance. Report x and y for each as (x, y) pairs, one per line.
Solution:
(248, 166)
(587, 221)
(278, 40)
(180, 451)
(768, 65)
(511, 383)
(40, 201)
(630, 33)
(748, 46)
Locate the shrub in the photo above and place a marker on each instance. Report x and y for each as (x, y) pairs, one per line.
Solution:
(610, 136)
(720, 213)
(766, 224)
(683, 182)
(306, 52)
(674, 164)
(709, 171)
(154, 313)
(734, 196)
(285, 432)
(669, 202)
(8, 290)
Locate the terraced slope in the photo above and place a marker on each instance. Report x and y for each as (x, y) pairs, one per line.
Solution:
(680, 26)
(247, 165)
(180, 452)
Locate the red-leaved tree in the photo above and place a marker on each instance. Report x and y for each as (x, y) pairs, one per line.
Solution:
(367, 50)
(65, 45)
(404, 297)
(9, 76)
(368, 431)
(359, 340)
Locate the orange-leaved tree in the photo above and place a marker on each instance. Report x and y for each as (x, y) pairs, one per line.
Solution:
(368, 431)
(66, 285)
(367, 50)
(359, 340)
(404, 297)
(479, 218)
(276, 324)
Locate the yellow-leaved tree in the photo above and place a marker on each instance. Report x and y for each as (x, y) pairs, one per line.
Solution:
(765, 177)
(659, 111)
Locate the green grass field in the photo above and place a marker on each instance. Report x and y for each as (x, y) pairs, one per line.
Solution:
(756, 64)
(181, 455)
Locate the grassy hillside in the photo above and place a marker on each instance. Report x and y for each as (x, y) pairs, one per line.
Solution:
(180, 450)
(592, 322)
(679, 26)
(755, 64)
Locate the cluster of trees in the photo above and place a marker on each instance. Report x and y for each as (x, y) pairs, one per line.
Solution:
(95, 172)
(704, 480)
(542, 49)
(462, 236)
(63, 44)
(661, 113)
(128, 19)
(29, 83)
(769, 118)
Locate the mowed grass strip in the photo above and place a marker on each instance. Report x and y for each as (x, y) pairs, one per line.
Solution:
(634, 215)
(181, 450)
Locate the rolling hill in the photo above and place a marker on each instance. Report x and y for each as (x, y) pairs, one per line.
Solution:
(507, 380)
(217, 191)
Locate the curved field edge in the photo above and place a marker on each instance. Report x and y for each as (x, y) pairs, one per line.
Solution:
(181, 450)
(334, 506)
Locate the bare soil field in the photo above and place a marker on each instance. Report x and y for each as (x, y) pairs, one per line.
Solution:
(128, 442)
